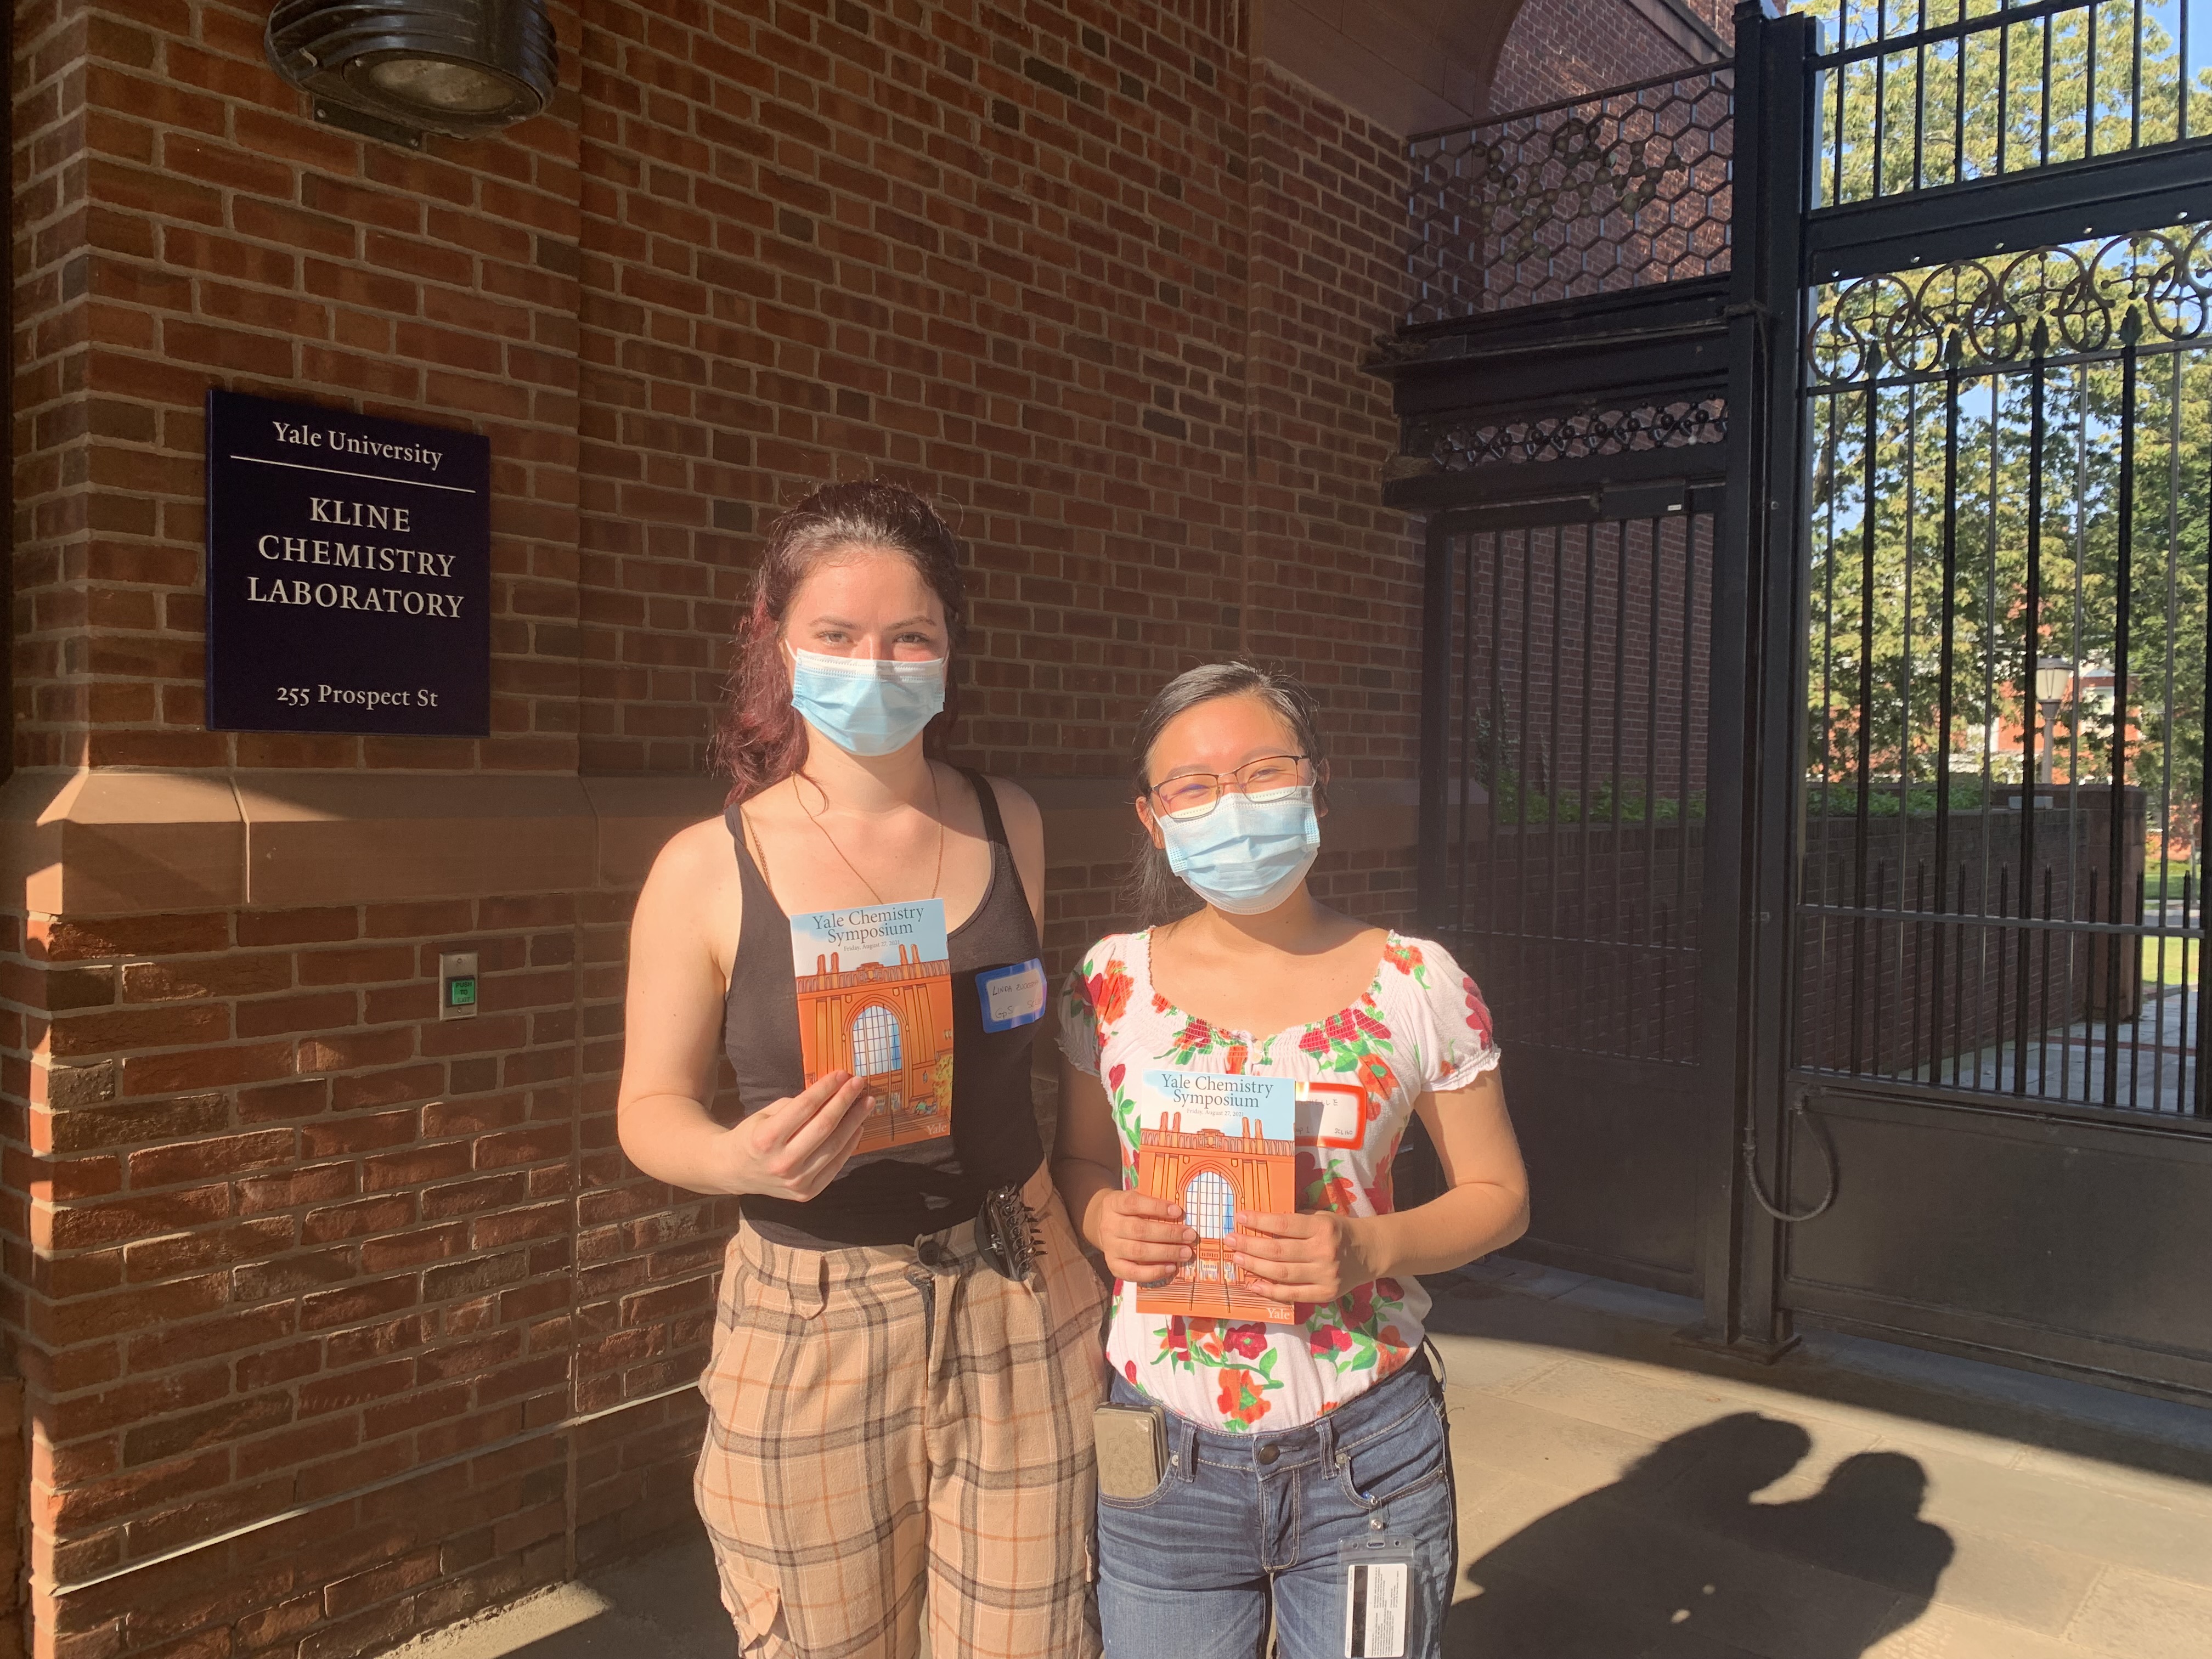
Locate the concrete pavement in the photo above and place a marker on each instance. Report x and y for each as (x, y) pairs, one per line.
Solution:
(1624, 1495)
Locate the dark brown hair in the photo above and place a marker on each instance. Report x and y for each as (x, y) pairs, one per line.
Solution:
(1151, 889)
(761, 740)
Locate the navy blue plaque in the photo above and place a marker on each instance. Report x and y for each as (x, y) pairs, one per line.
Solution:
(348, 572)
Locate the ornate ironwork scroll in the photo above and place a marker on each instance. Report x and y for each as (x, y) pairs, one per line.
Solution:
(1981, 314)
(1575, 437)
(1627, 188)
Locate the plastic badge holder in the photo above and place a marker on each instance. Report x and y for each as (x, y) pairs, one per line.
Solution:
(1378, 1586)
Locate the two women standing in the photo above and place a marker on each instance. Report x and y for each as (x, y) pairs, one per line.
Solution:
(908, 1353)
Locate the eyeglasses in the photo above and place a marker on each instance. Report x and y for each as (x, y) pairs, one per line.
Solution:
(1193, 794)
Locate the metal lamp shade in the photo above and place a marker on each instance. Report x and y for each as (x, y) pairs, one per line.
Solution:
(459, 67)
(2053, 680)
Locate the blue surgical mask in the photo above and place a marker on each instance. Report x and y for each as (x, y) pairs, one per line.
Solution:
(865, 705)
(1245, 856)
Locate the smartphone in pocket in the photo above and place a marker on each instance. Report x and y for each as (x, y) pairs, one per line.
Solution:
(1132, 1450)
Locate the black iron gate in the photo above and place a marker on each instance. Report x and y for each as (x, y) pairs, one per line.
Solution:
(1997, 918)
(1571, 872)
(1815, 755)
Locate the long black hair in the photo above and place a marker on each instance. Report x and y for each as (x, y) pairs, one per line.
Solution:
(1152, 891)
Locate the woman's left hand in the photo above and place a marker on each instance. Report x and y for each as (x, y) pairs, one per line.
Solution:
(1301, 1258)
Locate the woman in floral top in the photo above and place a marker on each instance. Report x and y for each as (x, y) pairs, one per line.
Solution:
(1294, 1451)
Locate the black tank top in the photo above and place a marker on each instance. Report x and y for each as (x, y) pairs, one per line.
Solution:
(896, 1196)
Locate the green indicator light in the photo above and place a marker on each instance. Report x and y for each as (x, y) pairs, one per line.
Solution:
(460, 993)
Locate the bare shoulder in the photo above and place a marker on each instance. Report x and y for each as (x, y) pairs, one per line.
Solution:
(1016, 806)
(699, 853)
(694, 881)
(1353, 936)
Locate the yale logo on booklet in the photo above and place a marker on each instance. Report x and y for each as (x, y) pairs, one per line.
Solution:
(1375, 1610)
(1012, 996)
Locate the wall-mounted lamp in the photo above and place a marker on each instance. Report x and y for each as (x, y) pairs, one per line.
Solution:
(402, 68)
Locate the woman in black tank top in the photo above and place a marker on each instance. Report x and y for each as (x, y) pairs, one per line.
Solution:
(895, 1196)
(906, 1350)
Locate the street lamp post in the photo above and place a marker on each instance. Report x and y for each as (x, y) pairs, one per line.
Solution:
(2054, 678)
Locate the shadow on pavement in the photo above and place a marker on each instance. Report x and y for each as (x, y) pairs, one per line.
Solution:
(1677, 1557)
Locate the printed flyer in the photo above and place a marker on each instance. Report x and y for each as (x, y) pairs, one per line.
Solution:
(1216, 1143)
(875, 998)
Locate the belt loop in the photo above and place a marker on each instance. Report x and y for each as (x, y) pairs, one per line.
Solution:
(1185, 1441)
(1325, 1435)
(807, 1275)
(1436, 1364)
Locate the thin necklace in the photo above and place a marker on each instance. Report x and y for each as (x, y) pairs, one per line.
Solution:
(936, 810)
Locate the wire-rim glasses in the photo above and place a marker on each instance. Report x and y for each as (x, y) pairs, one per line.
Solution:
(1193, 794)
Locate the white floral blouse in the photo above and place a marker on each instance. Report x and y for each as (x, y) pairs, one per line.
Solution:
(1421, 1025)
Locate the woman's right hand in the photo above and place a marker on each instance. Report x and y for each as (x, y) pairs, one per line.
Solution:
(793, 1148)
(1143, 1238)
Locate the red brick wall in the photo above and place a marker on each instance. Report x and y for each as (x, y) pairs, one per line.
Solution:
(335, 1321)
(177, 225)
(1562, 48)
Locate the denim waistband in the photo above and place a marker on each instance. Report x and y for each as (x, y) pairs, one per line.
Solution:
(1266, 1453)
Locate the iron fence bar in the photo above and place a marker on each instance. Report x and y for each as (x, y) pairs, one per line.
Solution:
(1523, 784)
(1582, 649)
(1681, 917)
(1468, 727)
(1987, 631)
(2031, 705)
(2134, 84)
(2166, 720)
(2075, 849)
(2181, 129)
(1627, 990)
(2004, 90)
(2044, 97)
(1551, 760)
(1880, 125)
(2202, 1094)
(1651, 756)
(1863, 812)
(1920, 106)
(1958, 111)
(1498, 552)
(1911, 551)
(1549, 757)
(2124, 606)
(2089, 100)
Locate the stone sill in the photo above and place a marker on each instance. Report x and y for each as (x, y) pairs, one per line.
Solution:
(114, 842)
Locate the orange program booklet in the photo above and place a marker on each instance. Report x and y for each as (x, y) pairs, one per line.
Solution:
(1216, 1144)
(875, 998)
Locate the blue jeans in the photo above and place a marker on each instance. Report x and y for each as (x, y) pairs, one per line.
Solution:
(1244, 1521)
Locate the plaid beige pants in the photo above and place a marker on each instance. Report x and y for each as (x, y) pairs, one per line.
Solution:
(881, 1418)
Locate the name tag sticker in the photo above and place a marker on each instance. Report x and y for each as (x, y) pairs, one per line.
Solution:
(1012, 996)
(1332, 1114)
(1375, 1610)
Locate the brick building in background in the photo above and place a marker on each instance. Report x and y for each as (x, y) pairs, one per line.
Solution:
(335, 1322)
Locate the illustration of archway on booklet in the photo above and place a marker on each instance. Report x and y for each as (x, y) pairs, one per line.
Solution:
(1219, 1144)
(875, 998)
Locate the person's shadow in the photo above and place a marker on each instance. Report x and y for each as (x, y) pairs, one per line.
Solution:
(1676, 1558)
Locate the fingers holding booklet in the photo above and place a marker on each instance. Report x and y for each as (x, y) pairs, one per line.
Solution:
(1143, 1238)
(795, 1146)
(1312, 1258)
